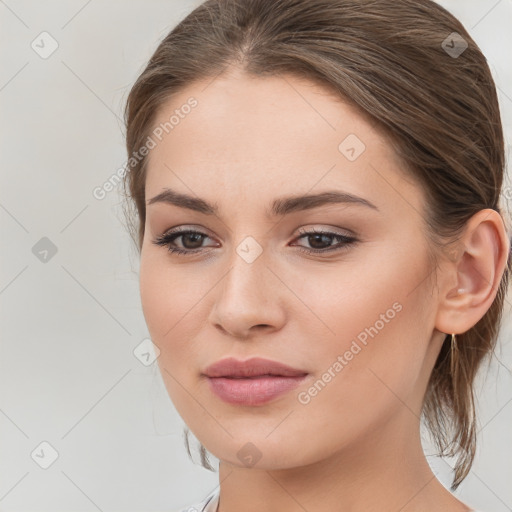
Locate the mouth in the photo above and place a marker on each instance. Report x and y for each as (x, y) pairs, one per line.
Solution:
(252, 382)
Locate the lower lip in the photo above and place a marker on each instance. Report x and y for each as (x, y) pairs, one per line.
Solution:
(254, 391)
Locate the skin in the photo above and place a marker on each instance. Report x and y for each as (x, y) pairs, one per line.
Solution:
(355, 445)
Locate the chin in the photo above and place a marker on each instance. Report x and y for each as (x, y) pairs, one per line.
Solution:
(257, 450)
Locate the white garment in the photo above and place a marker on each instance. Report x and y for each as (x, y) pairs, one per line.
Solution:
(209, 504)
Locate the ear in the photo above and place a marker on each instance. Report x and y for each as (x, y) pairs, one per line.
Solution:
(470, 281)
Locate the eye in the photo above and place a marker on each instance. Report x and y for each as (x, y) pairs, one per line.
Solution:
(191, 240)
(320, 241)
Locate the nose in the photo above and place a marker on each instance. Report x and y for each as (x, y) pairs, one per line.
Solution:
(249, 299)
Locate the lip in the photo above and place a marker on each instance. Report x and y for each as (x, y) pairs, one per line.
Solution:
(253, 382)
(254, 367)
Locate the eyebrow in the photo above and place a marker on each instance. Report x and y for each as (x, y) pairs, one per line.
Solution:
(280, 206)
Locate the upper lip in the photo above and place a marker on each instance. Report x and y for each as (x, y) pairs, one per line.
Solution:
(231, 367)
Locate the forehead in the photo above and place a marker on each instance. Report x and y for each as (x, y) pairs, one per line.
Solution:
(268, 135)
(279, 112)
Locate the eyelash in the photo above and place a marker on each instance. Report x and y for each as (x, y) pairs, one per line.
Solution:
(168, 238)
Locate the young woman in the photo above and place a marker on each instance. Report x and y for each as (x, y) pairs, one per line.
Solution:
(324, 261)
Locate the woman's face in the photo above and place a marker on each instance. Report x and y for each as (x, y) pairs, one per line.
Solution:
(357, 316)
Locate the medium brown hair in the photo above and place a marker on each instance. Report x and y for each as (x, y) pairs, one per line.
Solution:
(391, 60)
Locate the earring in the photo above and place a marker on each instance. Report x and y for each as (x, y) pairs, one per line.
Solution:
(453, 355)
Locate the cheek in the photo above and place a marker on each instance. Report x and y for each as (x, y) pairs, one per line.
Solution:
(157, 303)
(366, 290)
(174, 306)
(377, 320)
(168, 296)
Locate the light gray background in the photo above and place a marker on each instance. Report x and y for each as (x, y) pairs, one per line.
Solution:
(69, 326)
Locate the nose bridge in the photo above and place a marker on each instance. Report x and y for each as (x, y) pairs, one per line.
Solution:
(246, 278)
(245, 298)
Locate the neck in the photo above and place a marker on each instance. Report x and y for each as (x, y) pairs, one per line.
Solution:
(387, 470)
